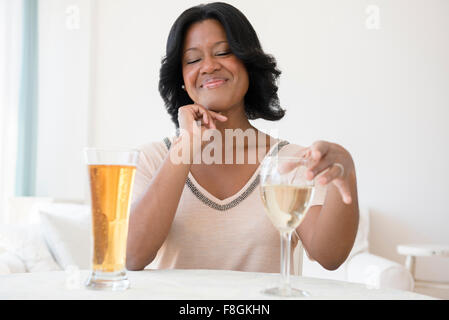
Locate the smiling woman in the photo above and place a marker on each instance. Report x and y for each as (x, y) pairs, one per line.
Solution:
(233, 38)
(215, 77)
(195, 215)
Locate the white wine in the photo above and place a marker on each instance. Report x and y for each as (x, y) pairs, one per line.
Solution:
(286, 204)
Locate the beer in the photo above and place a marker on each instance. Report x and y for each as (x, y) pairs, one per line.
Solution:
(110, 187)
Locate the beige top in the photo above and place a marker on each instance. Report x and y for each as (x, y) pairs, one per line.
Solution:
(209, 233)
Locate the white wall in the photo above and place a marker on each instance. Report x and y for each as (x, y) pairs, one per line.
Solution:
(382, 93)
(64, 79)
(11, 31)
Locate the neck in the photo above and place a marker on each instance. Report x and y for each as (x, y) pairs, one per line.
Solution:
(237, 119)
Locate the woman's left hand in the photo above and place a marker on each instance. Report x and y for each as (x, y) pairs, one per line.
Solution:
(334, 162)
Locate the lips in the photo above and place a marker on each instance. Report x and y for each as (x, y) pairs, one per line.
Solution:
(213, 83)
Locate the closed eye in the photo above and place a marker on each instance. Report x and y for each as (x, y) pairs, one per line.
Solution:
(219, 54)
(193, 61)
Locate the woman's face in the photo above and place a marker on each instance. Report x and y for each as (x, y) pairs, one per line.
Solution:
(213, 76)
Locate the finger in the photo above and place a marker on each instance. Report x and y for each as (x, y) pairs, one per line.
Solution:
(305, 153)
(195, 111)
(198, 114)
(213, 114)
(319, 149)
(212, 124)
(207, 116)
(198, 110)
(208, 119)
(333, 173)
(195, 108)
(201, 114)
(303, 159)
(317, 167)
(287, 166)
(218, 116)
(211, 120)
(344, 190)
(187, 114)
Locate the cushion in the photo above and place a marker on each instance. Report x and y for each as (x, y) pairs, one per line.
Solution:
(67, 231)
(361, 239)
(312, 268)
(26, 243)
(377, 272)
(4, 268)
(11, 263)
(24, 210)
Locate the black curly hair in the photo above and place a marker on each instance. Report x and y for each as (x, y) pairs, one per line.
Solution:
(261, 99)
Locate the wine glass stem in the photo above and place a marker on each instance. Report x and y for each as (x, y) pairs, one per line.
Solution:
(285, 259)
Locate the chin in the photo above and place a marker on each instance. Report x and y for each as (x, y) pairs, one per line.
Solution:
(217, 108)
(214, 105)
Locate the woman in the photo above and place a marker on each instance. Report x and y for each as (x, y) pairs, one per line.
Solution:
(215, 76)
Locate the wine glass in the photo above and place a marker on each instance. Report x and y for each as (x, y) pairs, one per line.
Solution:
(286, 195)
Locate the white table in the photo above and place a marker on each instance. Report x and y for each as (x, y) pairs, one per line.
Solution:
(185, 285)
(412, 251)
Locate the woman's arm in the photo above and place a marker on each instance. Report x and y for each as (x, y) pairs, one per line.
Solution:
(328, 231)
(152, 214)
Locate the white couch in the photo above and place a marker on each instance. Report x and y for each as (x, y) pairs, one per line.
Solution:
(44, 235)
(361, 266)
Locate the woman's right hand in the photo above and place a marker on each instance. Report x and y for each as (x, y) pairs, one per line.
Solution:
(189, 116)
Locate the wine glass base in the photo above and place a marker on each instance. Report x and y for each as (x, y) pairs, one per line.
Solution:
(286, 292)
(108, 281)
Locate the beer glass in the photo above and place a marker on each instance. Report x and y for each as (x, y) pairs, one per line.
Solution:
(111, 177)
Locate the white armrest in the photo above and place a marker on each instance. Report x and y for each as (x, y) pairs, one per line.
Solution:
(378, 272)
(11, 263)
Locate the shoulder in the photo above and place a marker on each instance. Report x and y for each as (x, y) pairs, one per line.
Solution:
(154, 148)
(153, 153)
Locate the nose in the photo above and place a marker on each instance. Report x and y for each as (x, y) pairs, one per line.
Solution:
(209, 65)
